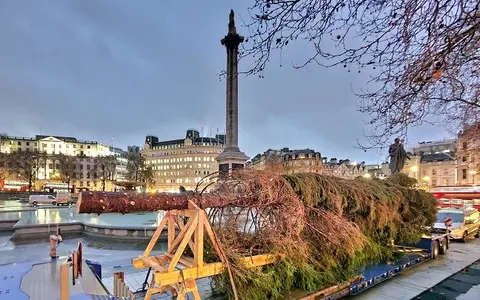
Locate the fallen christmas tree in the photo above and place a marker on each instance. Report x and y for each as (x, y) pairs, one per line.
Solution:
(325, 228)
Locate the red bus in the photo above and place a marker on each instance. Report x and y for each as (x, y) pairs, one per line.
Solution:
(457, 196)
(13, 186)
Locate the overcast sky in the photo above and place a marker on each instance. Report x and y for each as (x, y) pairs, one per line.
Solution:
(96, 69)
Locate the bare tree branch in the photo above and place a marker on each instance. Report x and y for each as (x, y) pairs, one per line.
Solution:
(423, 56)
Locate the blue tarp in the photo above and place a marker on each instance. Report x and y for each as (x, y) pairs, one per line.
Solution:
(10, 278)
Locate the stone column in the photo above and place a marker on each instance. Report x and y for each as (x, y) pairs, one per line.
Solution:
(232, 157)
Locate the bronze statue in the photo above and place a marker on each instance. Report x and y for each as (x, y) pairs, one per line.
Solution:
(398, 156)
(231, 22)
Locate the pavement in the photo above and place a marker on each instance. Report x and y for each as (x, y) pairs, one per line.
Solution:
(412, 283)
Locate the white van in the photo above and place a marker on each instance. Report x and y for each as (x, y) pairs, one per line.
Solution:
(42, 199)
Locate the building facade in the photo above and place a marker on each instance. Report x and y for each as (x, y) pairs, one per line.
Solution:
(84, 173)
(344, 168)
(182, 162)
(286, 161)
(431, 170)
(468, 155)
(445, 163)
(434, 147)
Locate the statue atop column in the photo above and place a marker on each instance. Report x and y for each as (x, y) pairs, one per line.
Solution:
(398, 156)
(231, 23)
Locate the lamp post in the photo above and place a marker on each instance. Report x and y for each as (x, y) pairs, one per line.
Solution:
(414, 169)
(426, 179)
(473, 172)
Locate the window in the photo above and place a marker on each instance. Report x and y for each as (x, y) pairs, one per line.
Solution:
(434, 172)
(464, 173)
(464, 146)
(445, 181)
(28, 143)
(19, 143)
(464, 159)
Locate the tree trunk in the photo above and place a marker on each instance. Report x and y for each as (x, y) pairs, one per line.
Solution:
(112, 202)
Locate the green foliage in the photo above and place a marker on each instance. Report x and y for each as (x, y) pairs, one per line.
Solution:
(345, 226)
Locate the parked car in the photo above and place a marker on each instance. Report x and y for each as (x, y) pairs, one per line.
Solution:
(42, 199)
(465, 222)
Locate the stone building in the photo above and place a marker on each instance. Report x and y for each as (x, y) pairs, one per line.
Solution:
(468, 155)
(432, 169)
(49, 148)
(182, 162)
(288, 161)
(344, 168)
(445, 163)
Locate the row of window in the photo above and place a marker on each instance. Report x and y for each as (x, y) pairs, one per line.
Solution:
(181, 180)
(179, 167)
(182, 173)
(177, 146)
(156, 154)
(44, 145)
(180, 159)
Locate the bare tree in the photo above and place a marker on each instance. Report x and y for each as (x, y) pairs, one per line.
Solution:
(106, 168)
(275, 163)
(43, 159)
(5, 165)
(147, 176)
(422, 56)
(66, 167)
(25, 165)
(135, 165)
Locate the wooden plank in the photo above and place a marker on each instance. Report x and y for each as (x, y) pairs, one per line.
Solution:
(198, 251)
(156, 235)
(64, 281)
(171, 230)
(180, 236)
(183, 243)
(184, 260)
(211, 269)
(181, 225)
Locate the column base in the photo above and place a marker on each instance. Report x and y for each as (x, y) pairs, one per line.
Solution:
(229, 160)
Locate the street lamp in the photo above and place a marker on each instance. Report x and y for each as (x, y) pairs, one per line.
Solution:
(473, 172)
(414, 169)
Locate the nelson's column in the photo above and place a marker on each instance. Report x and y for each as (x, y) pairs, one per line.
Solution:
(232, 158)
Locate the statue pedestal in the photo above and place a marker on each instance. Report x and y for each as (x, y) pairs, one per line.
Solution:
(231, 159)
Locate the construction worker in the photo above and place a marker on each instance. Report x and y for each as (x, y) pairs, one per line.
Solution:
(55, 240)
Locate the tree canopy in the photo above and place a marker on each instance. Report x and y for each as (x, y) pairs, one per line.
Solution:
(421, 56)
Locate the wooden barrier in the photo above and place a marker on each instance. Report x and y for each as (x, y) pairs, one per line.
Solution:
(120, 289)
(177, 272)
(76, 264)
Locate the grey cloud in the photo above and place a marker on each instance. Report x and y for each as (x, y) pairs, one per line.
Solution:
(97, 69)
